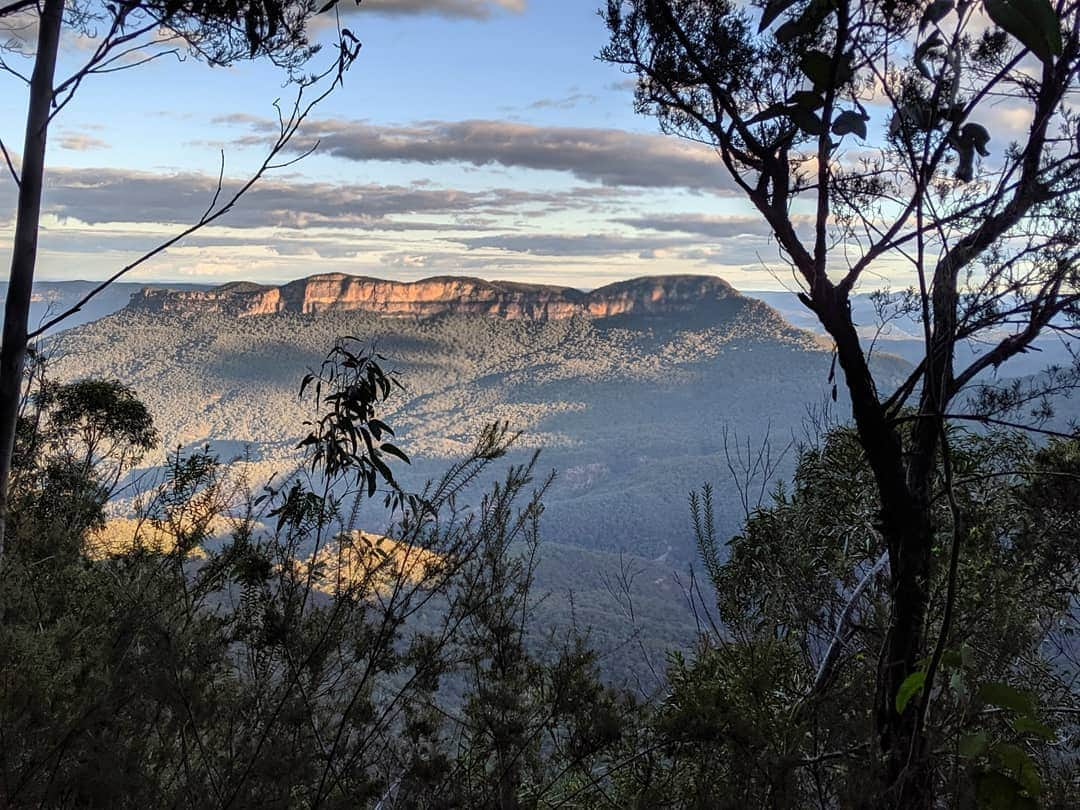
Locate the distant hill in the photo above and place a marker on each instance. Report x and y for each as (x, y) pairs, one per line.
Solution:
(630, 407)
(50, 298)
(451, 295)
(627, 390)
(903, 336)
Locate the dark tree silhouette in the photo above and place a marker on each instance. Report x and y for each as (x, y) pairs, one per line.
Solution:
(864, 133)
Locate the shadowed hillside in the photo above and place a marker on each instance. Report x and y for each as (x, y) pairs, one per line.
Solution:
(630, 409)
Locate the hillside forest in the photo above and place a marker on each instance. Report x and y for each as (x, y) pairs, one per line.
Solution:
(464, 543)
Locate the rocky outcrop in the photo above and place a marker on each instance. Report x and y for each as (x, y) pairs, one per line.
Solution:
(653, 295)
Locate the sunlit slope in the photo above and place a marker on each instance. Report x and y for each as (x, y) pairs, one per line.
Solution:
(630, 410)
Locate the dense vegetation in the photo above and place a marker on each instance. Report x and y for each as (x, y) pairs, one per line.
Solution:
(245, 670)
(633, 414)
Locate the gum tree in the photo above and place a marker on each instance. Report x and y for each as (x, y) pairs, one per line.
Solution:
(122, 35)
(869, 135)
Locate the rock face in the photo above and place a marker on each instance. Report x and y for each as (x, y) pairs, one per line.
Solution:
(653, 295)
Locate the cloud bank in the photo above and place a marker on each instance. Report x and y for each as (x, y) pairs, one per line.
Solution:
(611, 157)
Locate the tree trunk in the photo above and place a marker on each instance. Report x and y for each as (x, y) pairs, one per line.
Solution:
(906, 526)
(24, 249)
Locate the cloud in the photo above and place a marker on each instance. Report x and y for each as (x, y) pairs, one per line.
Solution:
(611, 157)
(714, 227)
(574, 244)
(468, 9)
(565, 103)
(81, 143)
(105, 195)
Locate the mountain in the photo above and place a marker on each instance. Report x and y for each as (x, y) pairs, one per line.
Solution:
(50, 298)
(630, 392)
(627, 389)
(448, 295)
(903, 337)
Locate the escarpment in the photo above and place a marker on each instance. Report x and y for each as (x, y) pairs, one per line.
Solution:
(652, 295)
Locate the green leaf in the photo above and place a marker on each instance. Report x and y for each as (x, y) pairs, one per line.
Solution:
(911, 686)
(849, 121)
(1016, 760)
(951, 659)
(967, 655)
(972, 745)
(1006, 697)
(996, 791)
(1033, 22)
(1026, 724)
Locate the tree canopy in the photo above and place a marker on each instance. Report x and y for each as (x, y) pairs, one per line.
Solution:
(866, 135)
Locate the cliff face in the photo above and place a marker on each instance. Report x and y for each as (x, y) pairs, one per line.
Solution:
(654, 295)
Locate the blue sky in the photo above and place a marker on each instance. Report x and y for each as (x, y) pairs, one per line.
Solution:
(477, 137)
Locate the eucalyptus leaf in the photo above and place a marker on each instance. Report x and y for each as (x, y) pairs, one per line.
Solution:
(1006, 697)
(935, 13)
(1033, 22)
(972, 745)
(849, 122)
(911, 686)
(805, 120)
(1029, 725)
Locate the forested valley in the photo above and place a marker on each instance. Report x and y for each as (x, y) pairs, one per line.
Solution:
(441, 541)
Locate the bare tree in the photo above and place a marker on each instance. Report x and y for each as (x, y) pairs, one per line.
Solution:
(862, 131)
(126, 34)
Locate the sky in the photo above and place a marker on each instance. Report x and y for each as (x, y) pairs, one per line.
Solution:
(471, 137)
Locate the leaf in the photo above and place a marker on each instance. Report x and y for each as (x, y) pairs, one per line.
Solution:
(770, 112)
(773, 9)
(817, 66)
(393, 450)
(996, 791)
(911, 686)
(807, 99)
(1006, 697)
(807, 23)
(951, 659)
(972, 745)
(849, 122)
(805, 120)
(787, 32)
(935, 13)
(930, 47)
(1016, 759)
(1025, 724)
(976, 136)
(1033, 22)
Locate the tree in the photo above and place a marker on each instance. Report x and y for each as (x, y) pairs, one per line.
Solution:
(775, 708)
(789, 93)
(126, 34)
(234, 650)
(74, 445)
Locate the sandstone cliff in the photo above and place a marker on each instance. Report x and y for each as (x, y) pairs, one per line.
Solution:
(653, 295)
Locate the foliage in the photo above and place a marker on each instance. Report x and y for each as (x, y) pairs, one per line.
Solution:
(778, 703)
(237, 665)
(864, 134)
